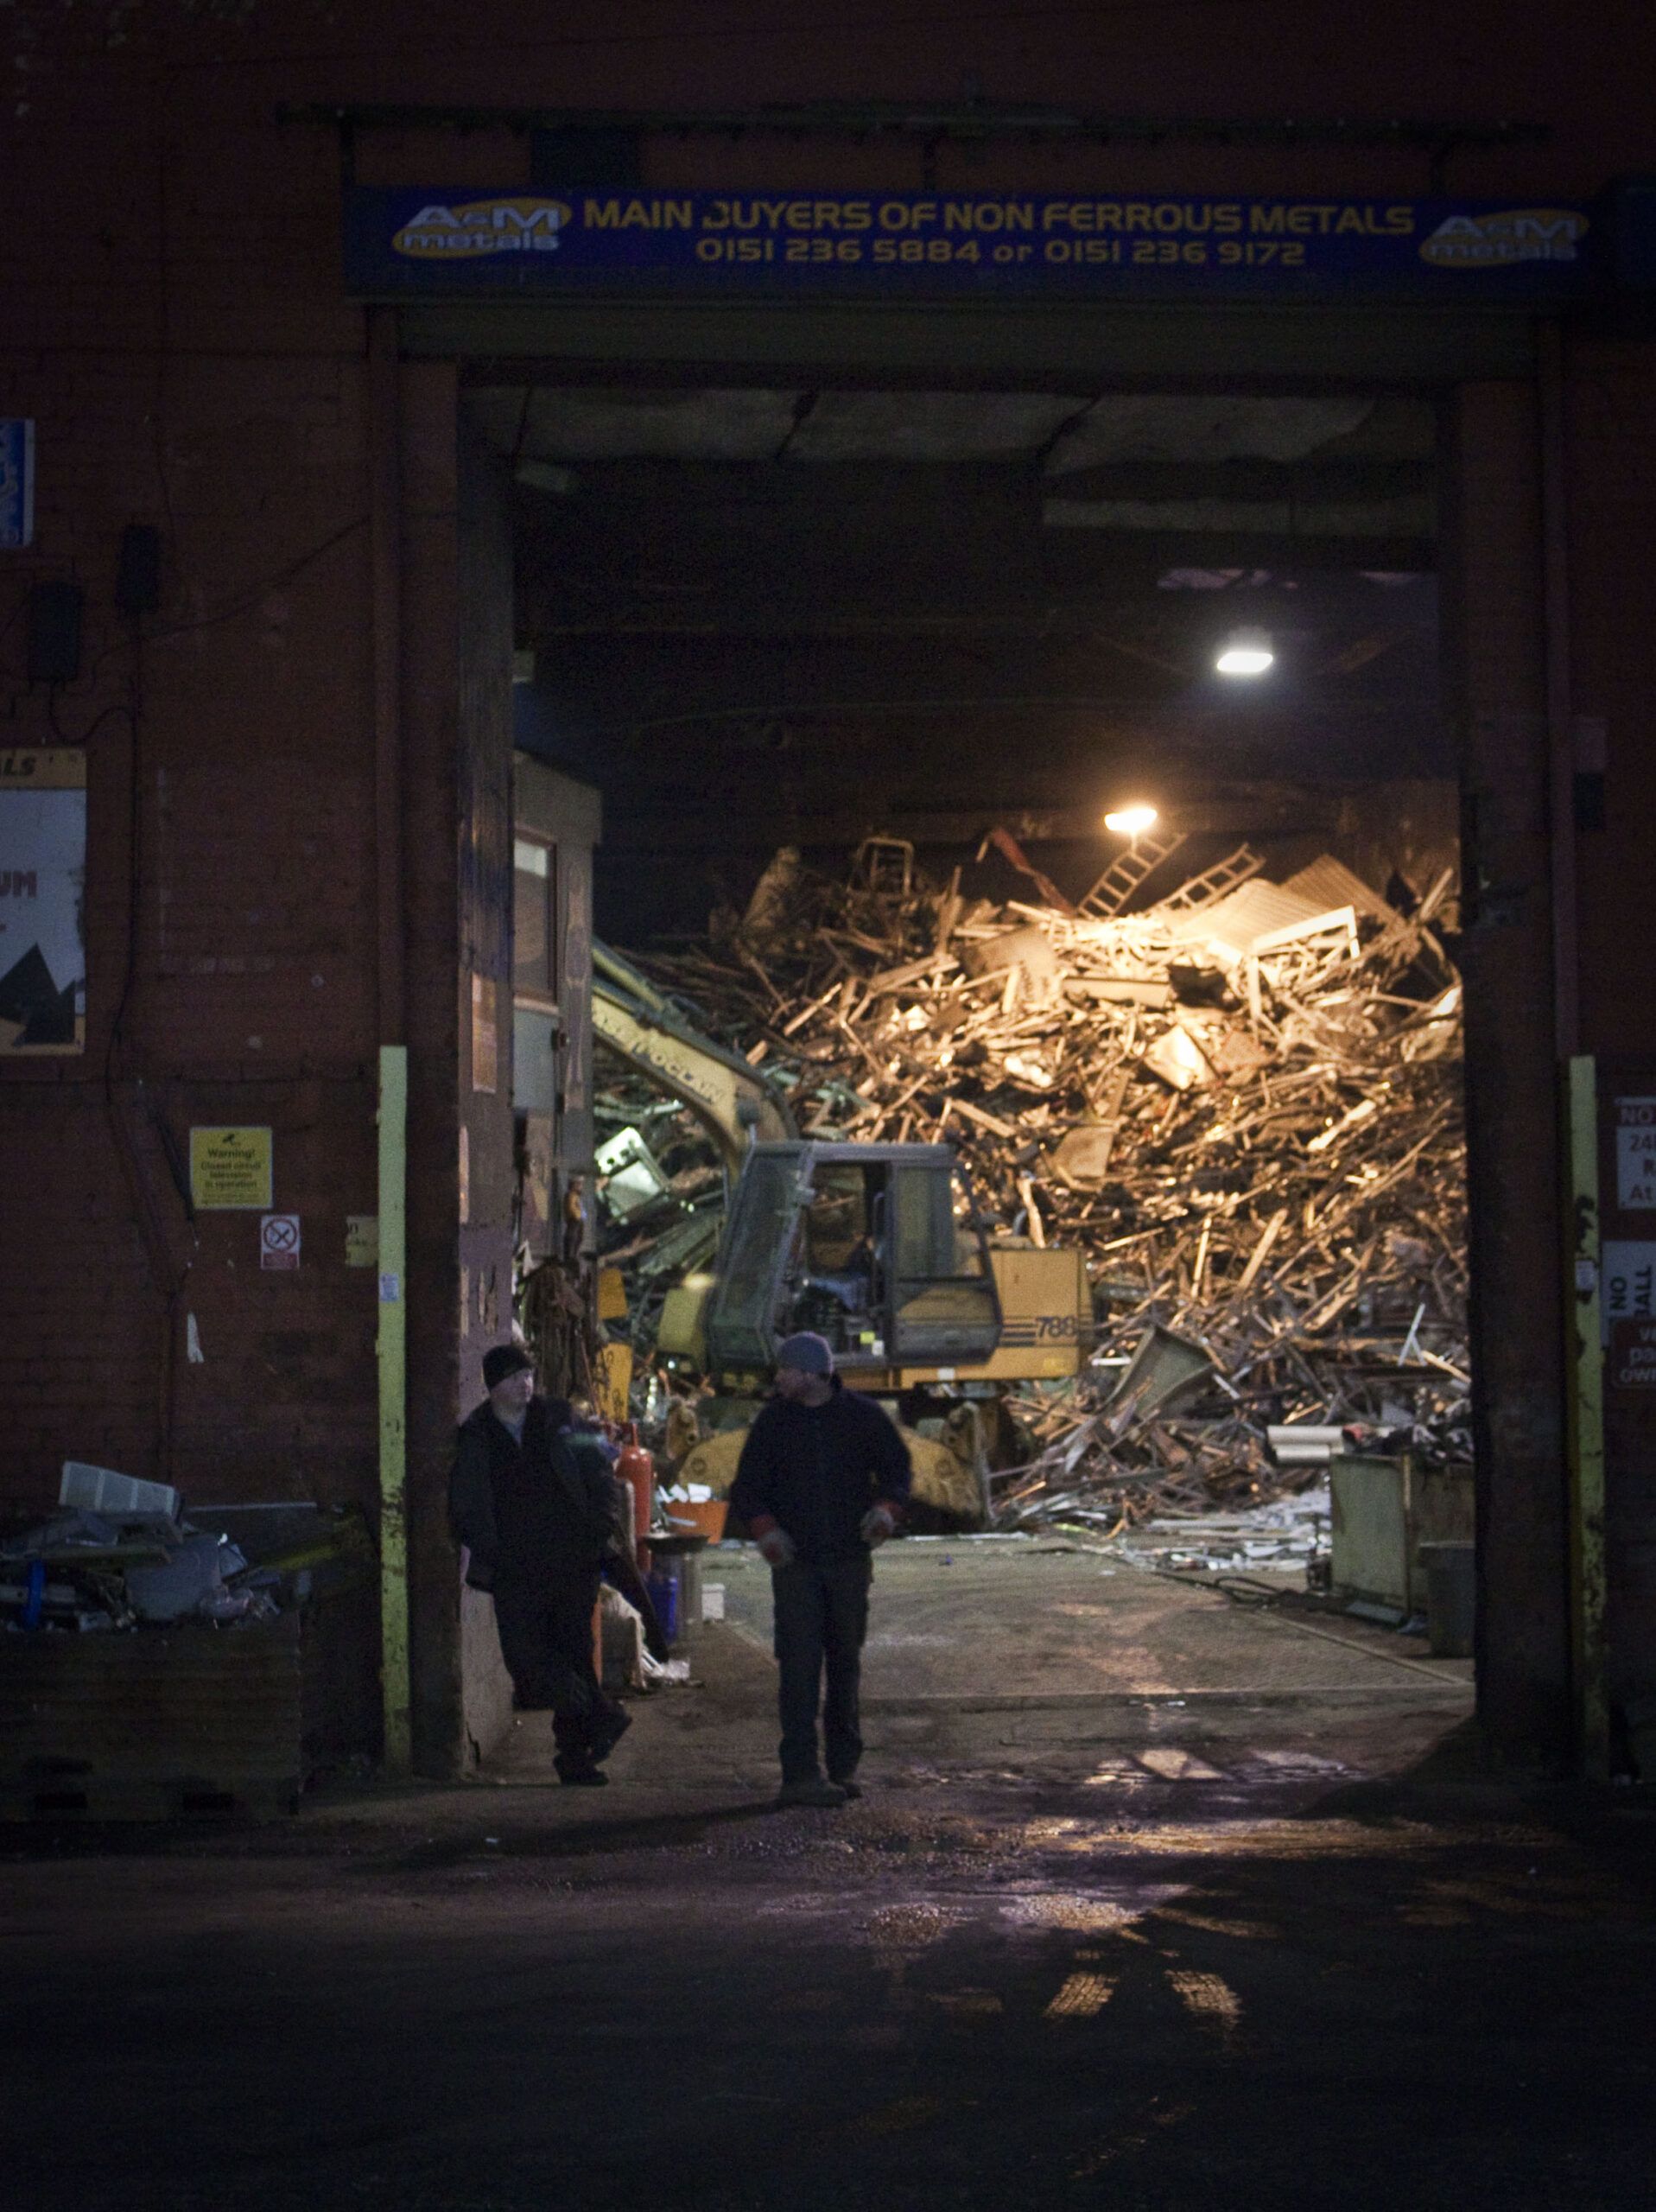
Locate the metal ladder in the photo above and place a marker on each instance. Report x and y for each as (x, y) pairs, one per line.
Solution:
(1124, 873)
(1214, 882)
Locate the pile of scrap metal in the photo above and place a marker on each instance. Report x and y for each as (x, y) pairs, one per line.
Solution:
(674, 1112)
(120, 1555)
(1242, 1103)
(661, 1194)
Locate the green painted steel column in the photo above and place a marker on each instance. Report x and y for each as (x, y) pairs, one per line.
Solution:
(1584, 1368)
(393, 1406)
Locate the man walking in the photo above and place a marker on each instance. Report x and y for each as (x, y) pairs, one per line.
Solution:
(535, 1506)
(823, 1479)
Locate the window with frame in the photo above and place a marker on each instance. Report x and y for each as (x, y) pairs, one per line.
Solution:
(534, 913)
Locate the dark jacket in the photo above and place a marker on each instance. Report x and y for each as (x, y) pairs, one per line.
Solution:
(816, 1469)
(529, 1512)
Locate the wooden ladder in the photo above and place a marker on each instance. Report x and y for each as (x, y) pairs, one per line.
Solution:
(1124, 873)
(1214, 882)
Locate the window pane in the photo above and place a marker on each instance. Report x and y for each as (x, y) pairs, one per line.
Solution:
(946, 1307)
(757, 1237)
(533, 890)
(925, 1223)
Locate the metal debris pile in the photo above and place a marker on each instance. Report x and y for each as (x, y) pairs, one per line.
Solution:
(119, 1554)
(662, 1190)
(1243, 1104)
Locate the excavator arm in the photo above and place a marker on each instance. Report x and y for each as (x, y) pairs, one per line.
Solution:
(730, 1098)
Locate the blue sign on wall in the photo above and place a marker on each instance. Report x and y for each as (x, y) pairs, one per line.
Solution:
(886, 245)
(17, 483)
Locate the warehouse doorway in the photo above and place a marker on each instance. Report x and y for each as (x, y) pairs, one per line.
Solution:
(859, 674)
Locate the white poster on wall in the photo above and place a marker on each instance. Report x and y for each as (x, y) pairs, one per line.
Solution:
(1626, 1283)
(1635, 1154)
(43, 894)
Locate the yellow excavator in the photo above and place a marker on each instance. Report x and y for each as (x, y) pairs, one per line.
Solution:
(880, 1248)
(731, 1099)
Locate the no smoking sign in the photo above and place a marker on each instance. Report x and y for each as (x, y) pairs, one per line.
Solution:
(279, 1240)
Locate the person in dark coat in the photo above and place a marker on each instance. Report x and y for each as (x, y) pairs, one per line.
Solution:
(535, 1506)
(823, 1479)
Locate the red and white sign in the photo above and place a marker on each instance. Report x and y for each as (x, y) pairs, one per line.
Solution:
(278, 1240)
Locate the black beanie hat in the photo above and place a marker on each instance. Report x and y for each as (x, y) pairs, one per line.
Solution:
(502, 1360)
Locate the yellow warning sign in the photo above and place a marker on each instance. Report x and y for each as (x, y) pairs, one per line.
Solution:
(231, 1170)
(362, 1240)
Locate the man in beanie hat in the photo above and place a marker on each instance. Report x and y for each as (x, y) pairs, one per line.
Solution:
(533, 1504)
(823, 1479)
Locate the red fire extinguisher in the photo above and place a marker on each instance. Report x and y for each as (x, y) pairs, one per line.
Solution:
(637, 1468)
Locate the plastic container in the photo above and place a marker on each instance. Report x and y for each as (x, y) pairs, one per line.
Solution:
(697, 1516)
(663, 1596)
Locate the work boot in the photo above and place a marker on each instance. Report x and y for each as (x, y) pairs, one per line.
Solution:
(845, 1783)
(811, 1791)
(584, 1777)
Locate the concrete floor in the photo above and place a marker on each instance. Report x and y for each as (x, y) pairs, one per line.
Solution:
(1153, 1902)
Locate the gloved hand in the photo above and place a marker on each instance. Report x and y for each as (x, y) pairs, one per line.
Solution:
(879, 1522)
(777, 1547)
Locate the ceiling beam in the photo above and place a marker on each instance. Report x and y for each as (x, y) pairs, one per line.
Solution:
(1291, 813)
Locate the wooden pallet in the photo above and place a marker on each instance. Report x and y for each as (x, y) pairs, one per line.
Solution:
(187, 1723)
(77, 1800)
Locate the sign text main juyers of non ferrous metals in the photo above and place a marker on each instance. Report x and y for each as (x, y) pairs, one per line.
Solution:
(1156, 243)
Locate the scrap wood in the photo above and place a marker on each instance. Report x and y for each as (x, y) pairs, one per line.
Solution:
(1297, 1205)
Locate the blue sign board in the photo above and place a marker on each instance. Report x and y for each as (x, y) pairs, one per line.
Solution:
(16, 484)
(1157, 246)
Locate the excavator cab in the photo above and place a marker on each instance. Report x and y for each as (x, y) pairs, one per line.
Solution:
(877, 1247)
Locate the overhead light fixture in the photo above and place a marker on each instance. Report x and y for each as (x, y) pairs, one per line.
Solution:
(1131, 820)
(1245, 653)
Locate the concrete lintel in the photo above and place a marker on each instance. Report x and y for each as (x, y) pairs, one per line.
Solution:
(686, 832)
(1036, 345)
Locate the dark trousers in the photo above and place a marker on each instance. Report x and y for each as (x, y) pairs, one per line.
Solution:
(821, 1618)
(546, 1639)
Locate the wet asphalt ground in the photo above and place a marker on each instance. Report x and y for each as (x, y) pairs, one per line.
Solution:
(1152, 1902)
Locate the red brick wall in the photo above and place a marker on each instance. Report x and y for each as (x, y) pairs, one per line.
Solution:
(251, 992)
(174, 321)
(1611, 434)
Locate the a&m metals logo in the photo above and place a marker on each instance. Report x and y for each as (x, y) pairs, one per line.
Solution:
(478, 227)
(1497, 241)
